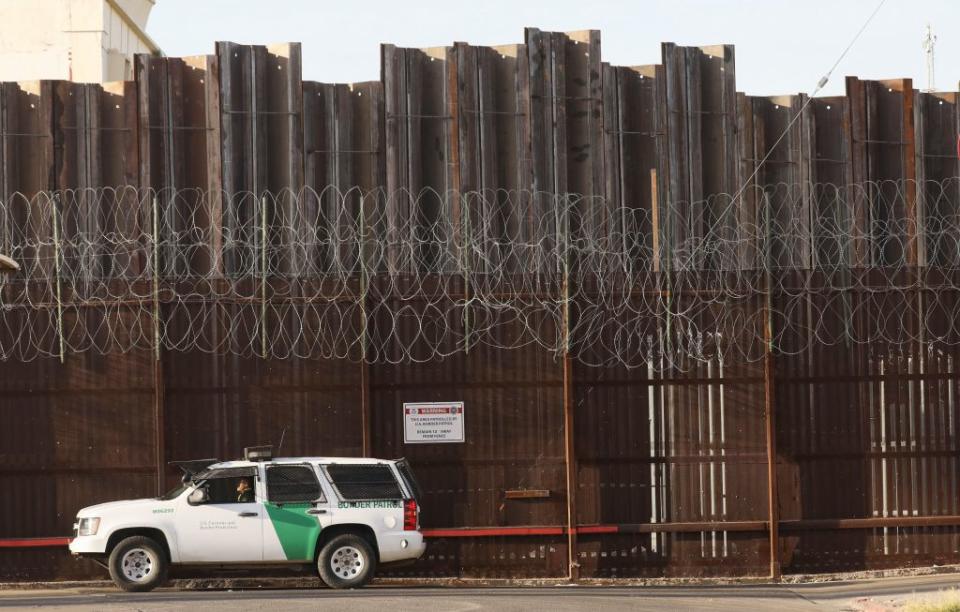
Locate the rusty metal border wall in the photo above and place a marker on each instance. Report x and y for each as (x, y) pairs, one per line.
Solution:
(834, 458)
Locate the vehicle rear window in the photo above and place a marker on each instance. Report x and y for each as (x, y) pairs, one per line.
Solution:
(363, 482)
(292, 483)
(403, 466)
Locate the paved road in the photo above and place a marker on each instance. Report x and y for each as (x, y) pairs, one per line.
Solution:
(781, 598)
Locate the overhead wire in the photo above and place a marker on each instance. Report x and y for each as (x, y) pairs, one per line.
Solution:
(820, 85)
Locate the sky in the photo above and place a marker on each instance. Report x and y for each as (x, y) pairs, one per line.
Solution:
(782, 46)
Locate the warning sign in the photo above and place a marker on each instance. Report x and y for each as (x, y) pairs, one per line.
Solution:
(433, 422)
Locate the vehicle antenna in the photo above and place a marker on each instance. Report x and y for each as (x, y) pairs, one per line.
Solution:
(280, 446)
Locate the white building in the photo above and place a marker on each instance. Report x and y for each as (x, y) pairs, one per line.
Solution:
(87, 41)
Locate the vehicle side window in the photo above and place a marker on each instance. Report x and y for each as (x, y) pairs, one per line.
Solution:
(231, 490)
(292, 483)
(364, 482)
(406, 472)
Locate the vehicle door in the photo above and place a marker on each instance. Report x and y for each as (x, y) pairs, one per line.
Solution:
(217, 523)
(296, 509)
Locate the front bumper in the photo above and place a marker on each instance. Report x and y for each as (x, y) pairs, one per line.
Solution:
(89, 545)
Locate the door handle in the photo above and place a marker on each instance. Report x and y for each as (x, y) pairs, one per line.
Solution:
(248, 514)
(316, 511)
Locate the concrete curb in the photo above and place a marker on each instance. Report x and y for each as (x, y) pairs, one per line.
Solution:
(304, 582)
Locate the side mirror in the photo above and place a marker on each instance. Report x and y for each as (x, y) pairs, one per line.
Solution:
(199, 496)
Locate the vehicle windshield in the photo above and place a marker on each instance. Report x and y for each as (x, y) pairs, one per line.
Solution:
(174, 492)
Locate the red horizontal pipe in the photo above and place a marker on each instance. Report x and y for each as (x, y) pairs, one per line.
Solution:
(491, 532)
(598, 529)
(33, 542)
(461, 532)
(482, 532)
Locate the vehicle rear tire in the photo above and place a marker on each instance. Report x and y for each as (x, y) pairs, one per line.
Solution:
(347, 562)
(138, 564)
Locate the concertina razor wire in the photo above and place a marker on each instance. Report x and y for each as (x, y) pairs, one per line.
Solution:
(413, 277)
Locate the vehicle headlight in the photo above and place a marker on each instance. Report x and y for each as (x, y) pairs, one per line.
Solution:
(88, 526)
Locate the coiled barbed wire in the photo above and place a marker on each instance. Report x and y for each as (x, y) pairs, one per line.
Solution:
(398, 277)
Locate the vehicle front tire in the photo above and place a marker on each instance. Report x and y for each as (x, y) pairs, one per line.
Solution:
(347, 561)
(138, 564)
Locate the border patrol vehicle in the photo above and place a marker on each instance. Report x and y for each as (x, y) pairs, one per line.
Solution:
(344, 516)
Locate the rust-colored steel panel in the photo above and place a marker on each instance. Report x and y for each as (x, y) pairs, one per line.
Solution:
(250, 315)
(87, 438)
(513, 418)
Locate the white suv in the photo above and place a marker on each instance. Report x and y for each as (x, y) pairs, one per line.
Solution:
(344, 515)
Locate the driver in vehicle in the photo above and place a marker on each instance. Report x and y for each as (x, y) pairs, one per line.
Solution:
(244, 491)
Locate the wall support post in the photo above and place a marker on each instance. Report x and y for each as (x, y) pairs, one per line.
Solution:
(769, 405)
(571, 467)
(569, 440)
(159, 422)
(263, 276)
(365, 416)
(57, 264)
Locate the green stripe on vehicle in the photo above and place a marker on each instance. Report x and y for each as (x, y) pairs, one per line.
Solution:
(296, 530)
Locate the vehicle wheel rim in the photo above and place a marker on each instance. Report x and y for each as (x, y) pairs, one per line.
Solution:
(347, 562)
(138, 564)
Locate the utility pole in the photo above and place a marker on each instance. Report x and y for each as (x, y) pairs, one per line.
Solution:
(929, 41)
